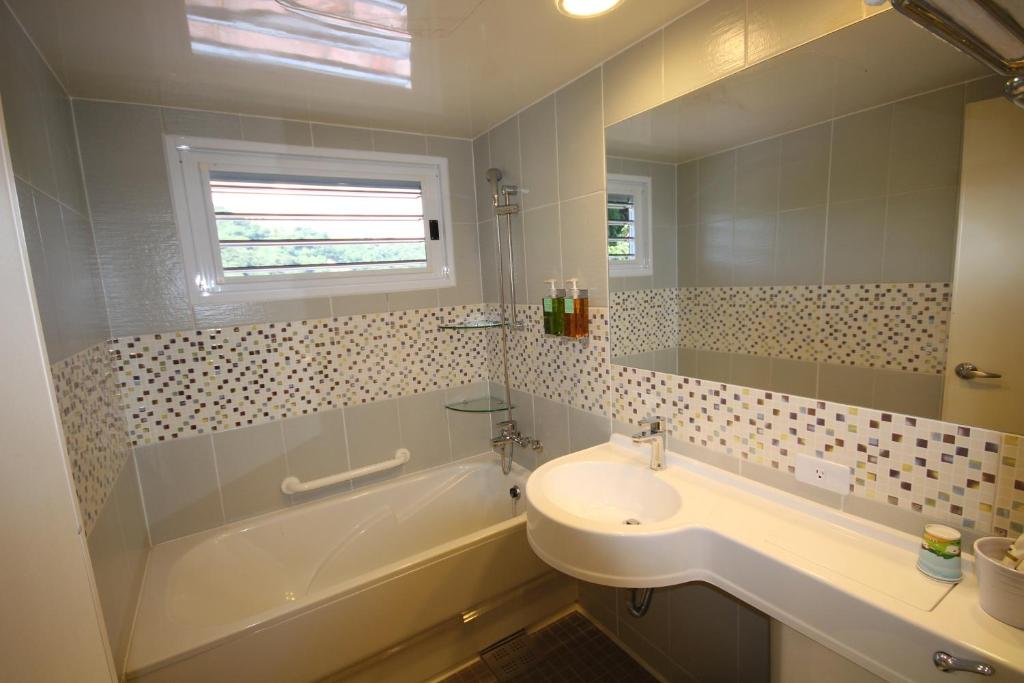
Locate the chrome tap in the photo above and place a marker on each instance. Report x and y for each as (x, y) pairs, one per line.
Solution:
(508, 433)
(654, 436)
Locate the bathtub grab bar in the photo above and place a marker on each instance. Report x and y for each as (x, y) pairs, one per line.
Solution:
(292, 485)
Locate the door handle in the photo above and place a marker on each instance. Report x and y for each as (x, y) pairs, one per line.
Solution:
(947, 662)
(971, 371)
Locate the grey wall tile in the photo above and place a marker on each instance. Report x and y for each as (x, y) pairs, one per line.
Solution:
(717, 181)
(926, 141)
(688, 254)
(358, 304)
(855, 241)
(543, 253)
(504, 151)
(794, 377)
(316, 445)
(87, 323)
(469, 287)
(804, 156)
(909, 393)
(424, 428)
(470, 432)
(751, 371)
(788, 483)
(800, 251)
(222, 315)
(342, 137)
(136, 238)
(201, 123)
(60, 131)
(587, 429)
(459, 154)
(580, 137)
(407, 301)
(59, 277)
(179, 487)
(551, 422)
(664, 226)
(41, 279)
(280, 131)
(714, 257)
(584, 251)
(482, 162)
(860, 155)
(251, 466)
(539, 154)
(687, 193)
(373, 437)
(847, 384)
(488, 260)
(920, 236)
(754, 249)
(757, 178)
(399, 143)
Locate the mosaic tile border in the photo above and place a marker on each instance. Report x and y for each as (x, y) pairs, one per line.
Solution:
(893, 326)
(185, 384)
(970, 477)
(94, 425)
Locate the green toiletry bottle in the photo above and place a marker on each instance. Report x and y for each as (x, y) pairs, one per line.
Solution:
(554, 310)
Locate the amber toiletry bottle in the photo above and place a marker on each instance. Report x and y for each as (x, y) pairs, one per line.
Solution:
(577, 310)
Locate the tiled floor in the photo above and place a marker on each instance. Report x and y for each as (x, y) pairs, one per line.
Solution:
(570, 649)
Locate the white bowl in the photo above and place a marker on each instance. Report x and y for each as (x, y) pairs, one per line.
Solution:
(1001, 588)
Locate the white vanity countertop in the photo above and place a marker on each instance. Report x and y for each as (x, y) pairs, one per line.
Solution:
(844, 581)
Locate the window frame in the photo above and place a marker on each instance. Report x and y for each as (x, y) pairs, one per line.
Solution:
(640, 188)
(189, 161)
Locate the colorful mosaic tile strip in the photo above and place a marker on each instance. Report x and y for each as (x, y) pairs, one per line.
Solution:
(962, 475)
(94, 426)
(894, 326)
(189, 383)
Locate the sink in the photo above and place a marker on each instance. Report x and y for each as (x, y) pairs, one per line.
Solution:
(604, 516)
(612, 493)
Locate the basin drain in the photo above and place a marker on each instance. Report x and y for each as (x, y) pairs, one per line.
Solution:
(632, 522)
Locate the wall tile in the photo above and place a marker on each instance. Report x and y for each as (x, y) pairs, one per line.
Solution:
(60, 278)
(543, 252)
(342, 137)
(580, 137)
(633, 79)
(316, 446)
(357, 304)
(469, 287)
(504, 151)
(201, 123)
(279, 131)
(46, 301)
(224, 315)
(551, 422)
(754, 249)
(373, 433)
(687, 193)
(251, 466)
(424, 430)
(87, 322)
(860, 155)
(757, 178)
(856, 239)
(584, 236)
(703, 628)
(804, 159)
(179, 483)
(460, 175)
(704, 45)
(715, 254)
(846, 384)
(928, 217)
(926, 141)
(717, 187)
(909, 393)
(800, 254)
(587, 429)
(538, 144)
(470, 432)
(482, 162)
(401, 143)
(60, 129)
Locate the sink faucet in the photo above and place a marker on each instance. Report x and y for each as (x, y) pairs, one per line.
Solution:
(654, 436)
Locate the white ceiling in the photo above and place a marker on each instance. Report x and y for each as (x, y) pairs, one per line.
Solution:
(879, 60)
(451, 67)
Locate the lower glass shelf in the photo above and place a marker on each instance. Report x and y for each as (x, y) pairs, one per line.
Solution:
(471, 325)
(484, 404)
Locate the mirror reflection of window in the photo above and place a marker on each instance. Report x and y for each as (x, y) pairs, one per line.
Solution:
(629, 225)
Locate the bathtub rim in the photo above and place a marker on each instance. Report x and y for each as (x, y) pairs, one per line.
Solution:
(322, 599)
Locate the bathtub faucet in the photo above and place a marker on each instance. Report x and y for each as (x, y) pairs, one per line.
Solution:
(508, 433)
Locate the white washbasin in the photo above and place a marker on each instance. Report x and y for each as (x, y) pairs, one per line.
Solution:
(613, 493)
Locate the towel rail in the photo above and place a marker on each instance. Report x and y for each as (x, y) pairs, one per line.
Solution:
(292, 485)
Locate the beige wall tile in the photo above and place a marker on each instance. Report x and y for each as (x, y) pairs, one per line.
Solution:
(373, 432)
(219, 315)
(717, 183)
(424, 430)
(704, 45)
(259, 129)
(584, 254)
(856, 237)
(358, 304)
(468, 287)
(407, 301)
(587, 429)
(400, 143)
(543, 252)
(909, 393)
(342, 137)
(804, 157)
(539, 154)
(179, 487)
(794, 377)
(754, 250)
(774, 26)
(580, 137)
(846, 384)
(757, 178)
(752, 371)
(316, 445)
(201, 123)
(860, 155)
(551, 425)
(715, 254)
(251, 466)
(926, 141)
(633, 79)
(800, 251)
(459, 154)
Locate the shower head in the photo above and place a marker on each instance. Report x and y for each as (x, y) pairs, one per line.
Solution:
(493, 178)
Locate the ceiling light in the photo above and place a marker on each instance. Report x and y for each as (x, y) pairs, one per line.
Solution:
(586, 8)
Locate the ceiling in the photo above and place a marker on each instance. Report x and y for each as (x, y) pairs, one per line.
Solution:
(878, 60)
(450, 67)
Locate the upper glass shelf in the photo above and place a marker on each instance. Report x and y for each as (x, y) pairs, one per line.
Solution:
(484, 404)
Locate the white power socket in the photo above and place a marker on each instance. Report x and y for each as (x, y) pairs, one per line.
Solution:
(822, 473)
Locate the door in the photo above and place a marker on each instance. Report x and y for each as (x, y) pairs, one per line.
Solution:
(987, 316)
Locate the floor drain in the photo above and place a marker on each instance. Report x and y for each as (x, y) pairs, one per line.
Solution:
(511, 658)
(632, 522)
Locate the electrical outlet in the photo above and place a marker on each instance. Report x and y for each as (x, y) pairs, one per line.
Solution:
(827, 475)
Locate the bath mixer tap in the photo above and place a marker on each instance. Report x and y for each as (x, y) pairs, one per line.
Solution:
(508, 433)
(655, 437)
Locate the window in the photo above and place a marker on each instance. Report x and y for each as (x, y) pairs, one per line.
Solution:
(629, 226)
(263, 222)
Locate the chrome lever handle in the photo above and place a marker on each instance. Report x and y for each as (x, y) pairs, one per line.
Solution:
(947, 662)
(971, 371)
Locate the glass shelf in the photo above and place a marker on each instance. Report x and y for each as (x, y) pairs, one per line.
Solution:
(484, 404)
(471, 325)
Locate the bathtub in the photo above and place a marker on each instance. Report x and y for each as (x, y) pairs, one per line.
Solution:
(299, 594)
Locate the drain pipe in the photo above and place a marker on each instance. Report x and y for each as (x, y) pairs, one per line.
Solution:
(639, 601)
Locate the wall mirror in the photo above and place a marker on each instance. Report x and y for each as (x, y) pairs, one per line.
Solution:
(842, 221)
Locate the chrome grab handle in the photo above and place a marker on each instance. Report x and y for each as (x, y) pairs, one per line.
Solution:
(971, 371)
(947, 662)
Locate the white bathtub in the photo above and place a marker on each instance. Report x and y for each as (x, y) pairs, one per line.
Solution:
(299, 594)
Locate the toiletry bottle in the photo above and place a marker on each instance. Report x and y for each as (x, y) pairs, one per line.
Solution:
(577, 310)
(554, 310)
